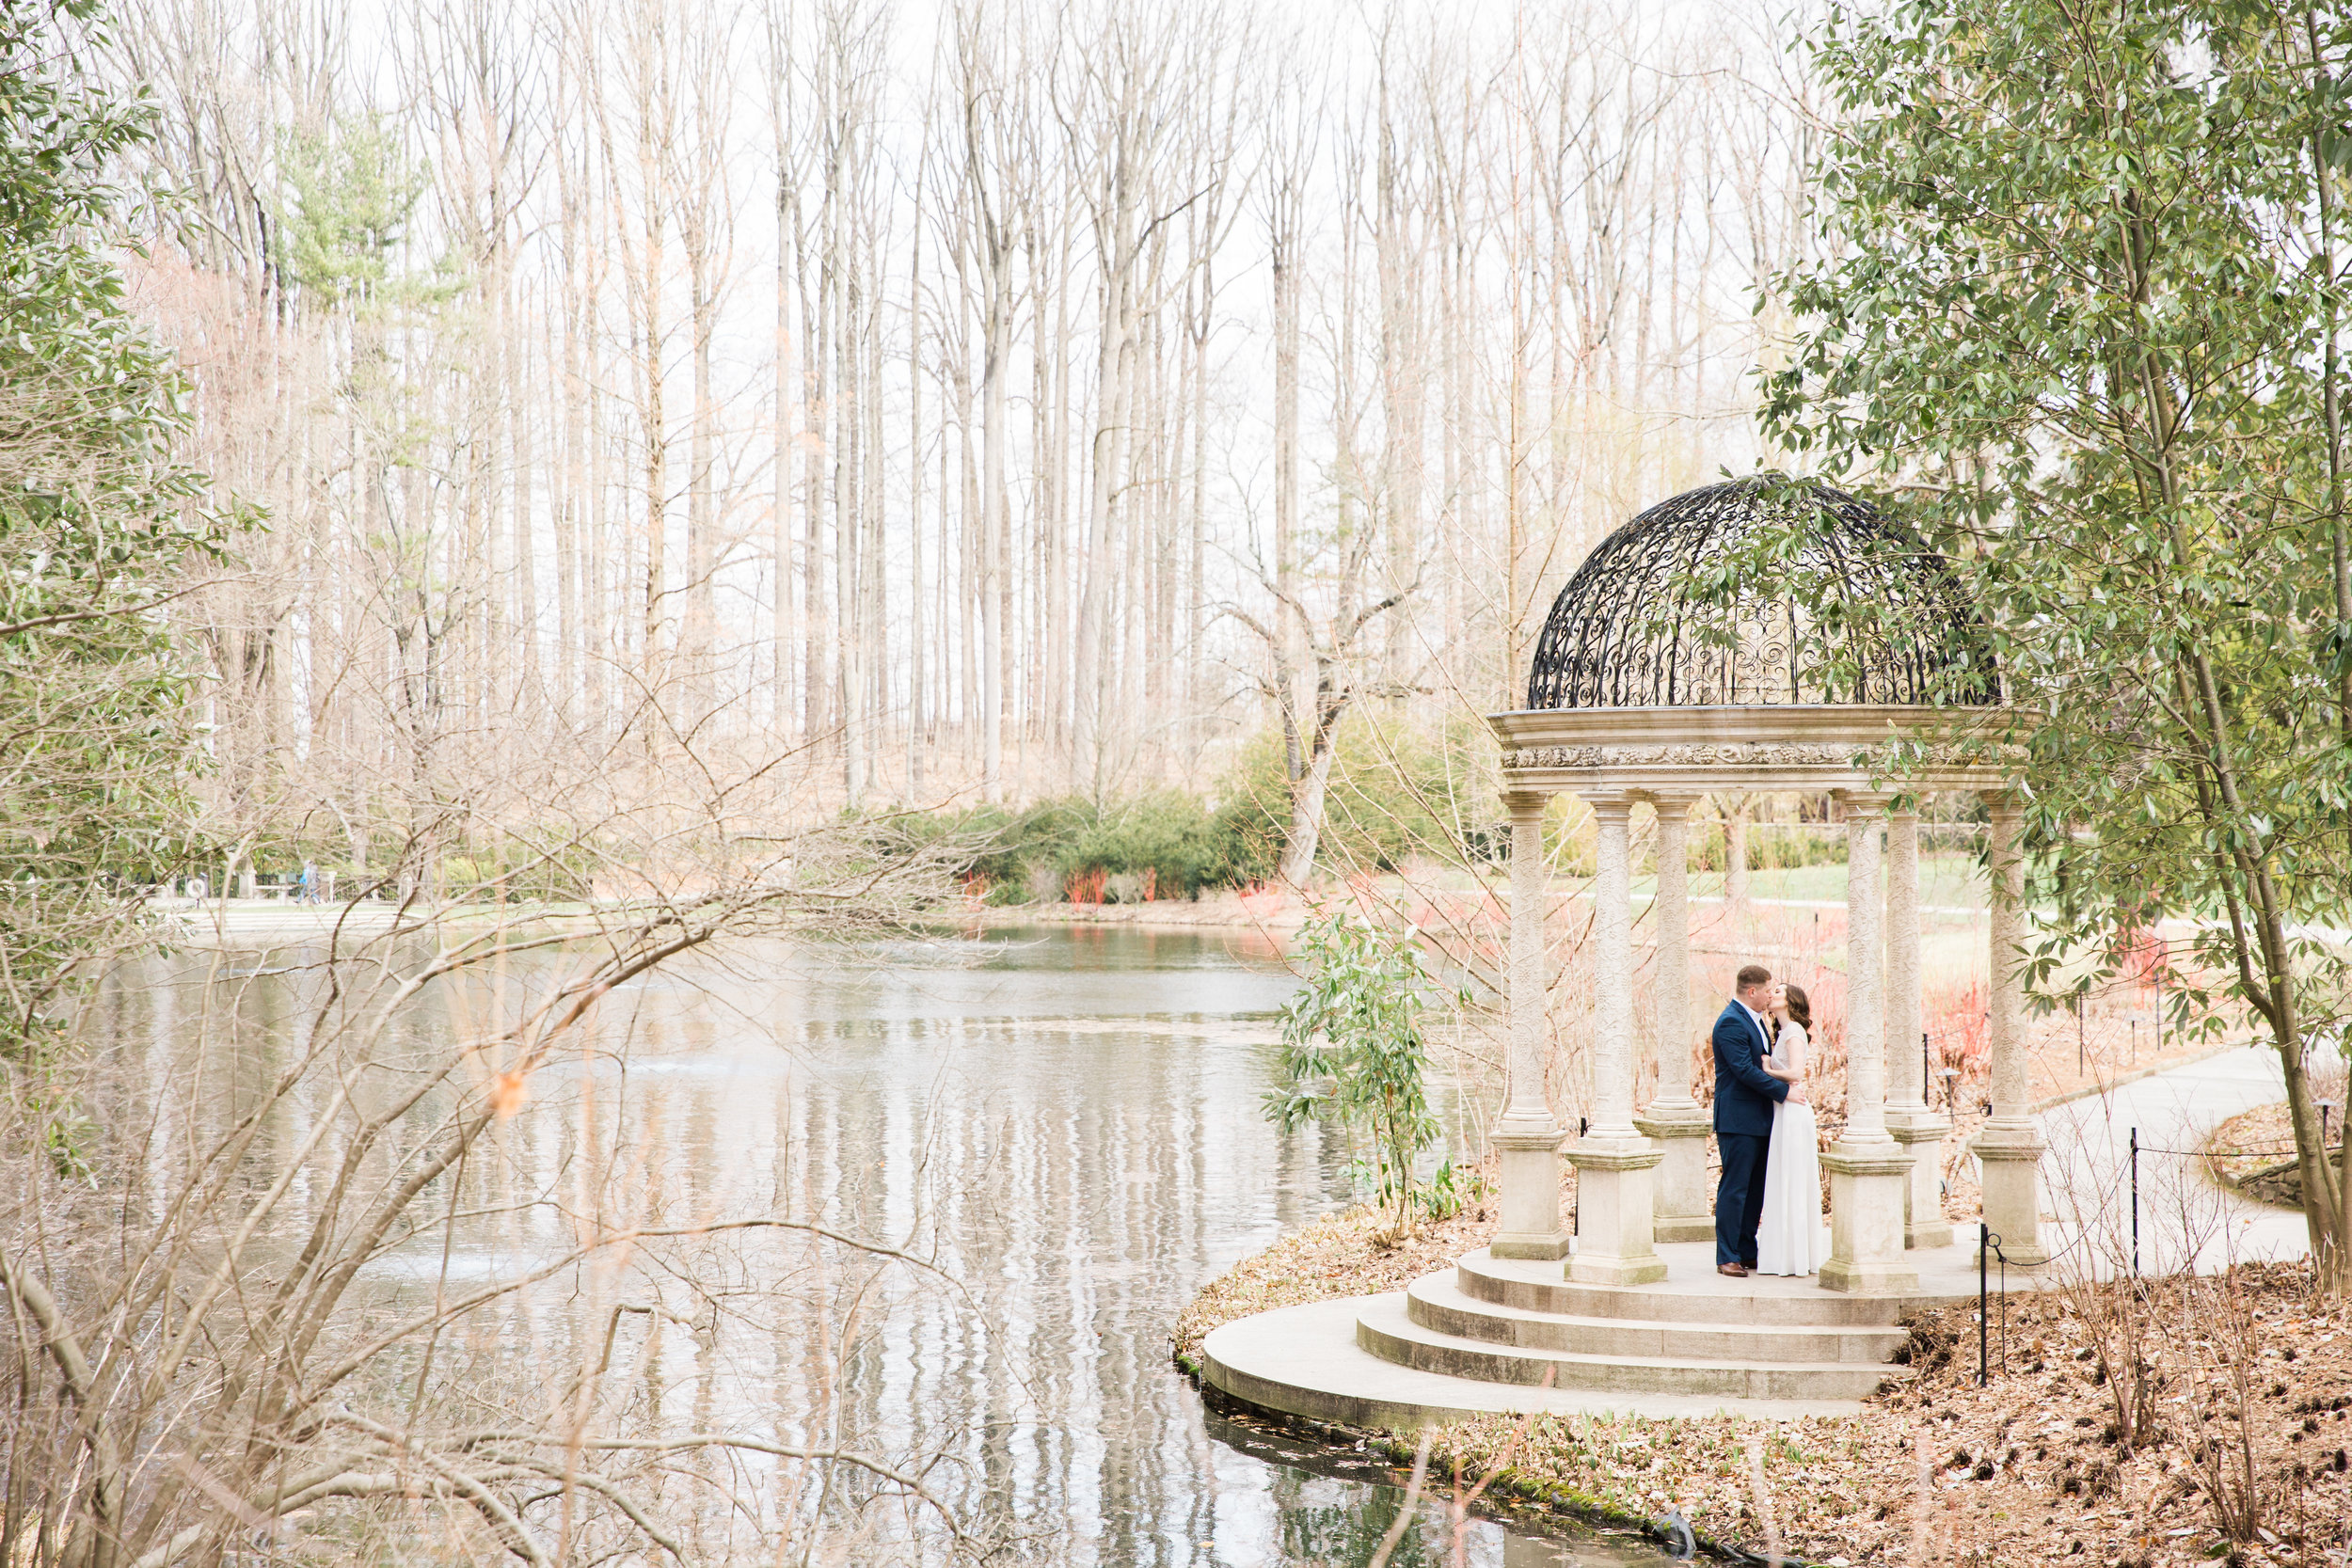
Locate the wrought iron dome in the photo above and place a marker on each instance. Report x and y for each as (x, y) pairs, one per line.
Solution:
(1889, 622)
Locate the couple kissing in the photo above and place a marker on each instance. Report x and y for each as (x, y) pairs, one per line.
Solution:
(1768, 1206)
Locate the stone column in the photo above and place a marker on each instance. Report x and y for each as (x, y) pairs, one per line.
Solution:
(1528, 1139)
(1868, 1166)
(1676, 1121)
(1614, 1226)
(2009, 1150)
(1919, 1130)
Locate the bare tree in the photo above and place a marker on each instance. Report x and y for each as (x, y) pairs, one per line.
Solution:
(205, 1347)
(1107, 249)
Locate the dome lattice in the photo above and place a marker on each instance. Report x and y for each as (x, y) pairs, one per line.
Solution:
(1884, 619)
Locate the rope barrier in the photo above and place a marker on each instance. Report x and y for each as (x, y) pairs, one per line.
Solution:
(2220, 1153)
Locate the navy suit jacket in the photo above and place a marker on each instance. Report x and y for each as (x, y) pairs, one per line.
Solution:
(1744, 1092)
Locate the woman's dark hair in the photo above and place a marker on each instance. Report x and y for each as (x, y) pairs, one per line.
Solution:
(1799, 1010)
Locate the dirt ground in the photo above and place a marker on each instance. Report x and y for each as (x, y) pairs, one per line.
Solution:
(2246, 1423)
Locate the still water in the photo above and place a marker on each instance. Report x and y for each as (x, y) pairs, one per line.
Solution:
(1063, 1126)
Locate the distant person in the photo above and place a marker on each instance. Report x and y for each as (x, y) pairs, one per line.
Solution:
(310, 894)
(1745, 1098)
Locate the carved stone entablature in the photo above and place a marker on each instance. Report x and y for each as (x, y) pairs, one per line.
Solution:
(1732, 754)
(1751, 754)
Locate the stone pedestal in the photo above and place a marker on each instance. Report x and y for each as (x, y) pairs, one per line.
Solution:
(1614, 1223)
(1685, 1201)
(1531, 1195)
(1920, 1133)
(1865, 1205)
(2011, 1158)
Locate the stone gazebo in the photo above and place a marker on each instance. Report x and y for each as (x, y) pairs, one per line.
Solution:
(1639, 694)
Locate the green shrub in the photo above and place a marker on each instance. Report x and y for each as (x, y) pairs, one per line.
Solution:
(517, 870)
(1353, 1054)
(1394, 794)
(1159, 845)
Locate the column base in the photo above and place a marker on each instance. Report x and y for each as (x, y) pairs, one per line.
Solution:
(1614, 1226)
(2009, 1156)
(1866, 1213)
(1685, 1209)
(1529, 1199)
(1921, 1133)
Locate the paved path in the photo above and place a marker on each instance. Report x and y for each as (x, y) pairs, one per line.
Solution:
(2086, 1176)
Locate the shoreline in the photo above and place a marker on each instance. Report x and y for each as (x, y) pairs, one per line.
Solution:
(1505, 1497)
(2026, 1466)
(2029, 1465)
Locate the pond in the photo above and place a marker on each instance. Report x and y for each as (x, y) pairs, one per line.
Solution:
(1063, 1125)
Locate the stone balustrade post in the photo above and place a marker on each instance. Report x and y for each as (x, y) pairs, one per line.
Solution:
(2009, 1150)
(1675, 1121)
(1868, 1166)
(1527, 1139)
(1910, 1117)
(1615, 1225)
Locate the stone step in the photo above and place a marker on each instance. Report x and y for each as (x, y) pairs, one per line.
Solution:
(1437, 1302)
(1385, 1328)
(1305, 1361)
(1758, 1301)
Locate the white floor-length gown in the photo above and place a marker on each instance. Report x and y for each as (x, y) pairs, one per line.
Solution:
(1790, 1239)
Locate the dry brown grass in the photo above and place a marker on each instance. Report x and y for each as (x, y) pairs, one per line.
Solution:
(1936, 1469)
(2024, 1469)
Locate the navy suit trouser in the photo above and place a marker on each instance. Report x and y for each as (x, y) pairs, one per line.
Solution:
(1740, 1195)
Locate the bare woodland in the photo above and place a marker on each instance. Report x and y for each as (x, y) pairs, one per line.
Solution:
(667, 425)
(1002, 403)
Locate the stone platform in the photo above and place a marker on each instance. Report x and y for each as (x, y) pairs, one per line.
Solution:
(1481, 1337)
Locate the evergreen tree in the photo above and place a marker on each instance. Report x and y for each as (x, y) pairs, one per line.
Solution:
(2084, 309)
(98, 525)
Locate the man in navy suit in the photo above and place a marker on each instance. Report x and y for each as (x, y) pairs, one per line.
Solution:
(1745, 1097)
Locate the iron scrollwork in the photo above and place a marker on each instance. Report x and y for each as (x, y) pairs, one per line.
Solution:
(1887, 622)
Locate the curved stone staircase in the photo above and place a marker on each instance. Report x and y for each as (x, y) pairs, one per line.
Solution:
(1489, 1321)
(1512, 1335)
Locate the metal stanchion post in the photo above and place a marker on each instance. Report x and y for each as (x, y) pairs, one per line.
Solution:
(1984, 1246)
(2135, 1203)
(1576, 1207)
(1987, 1243)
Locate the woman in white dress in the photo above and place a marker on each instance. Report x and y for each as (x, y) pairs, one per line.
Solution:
(1789, 1238)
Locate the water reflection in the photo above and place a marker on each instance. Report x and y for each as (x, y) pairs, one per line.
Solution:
(1065, 1125)
(1332, 1506)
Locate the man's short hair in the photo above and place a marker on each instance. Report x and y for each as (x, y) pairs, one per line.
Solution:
(1751, 974)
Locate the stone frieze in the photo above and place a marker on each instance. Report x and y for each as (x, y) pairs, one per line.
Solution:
(1750, 753)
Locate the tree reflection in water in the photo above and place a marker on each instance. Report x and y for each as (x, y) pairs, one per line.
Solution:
(1064, 1127)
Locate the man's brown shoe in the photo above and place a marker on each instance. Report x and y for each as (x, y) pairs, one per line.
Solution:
(1737, 1271)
